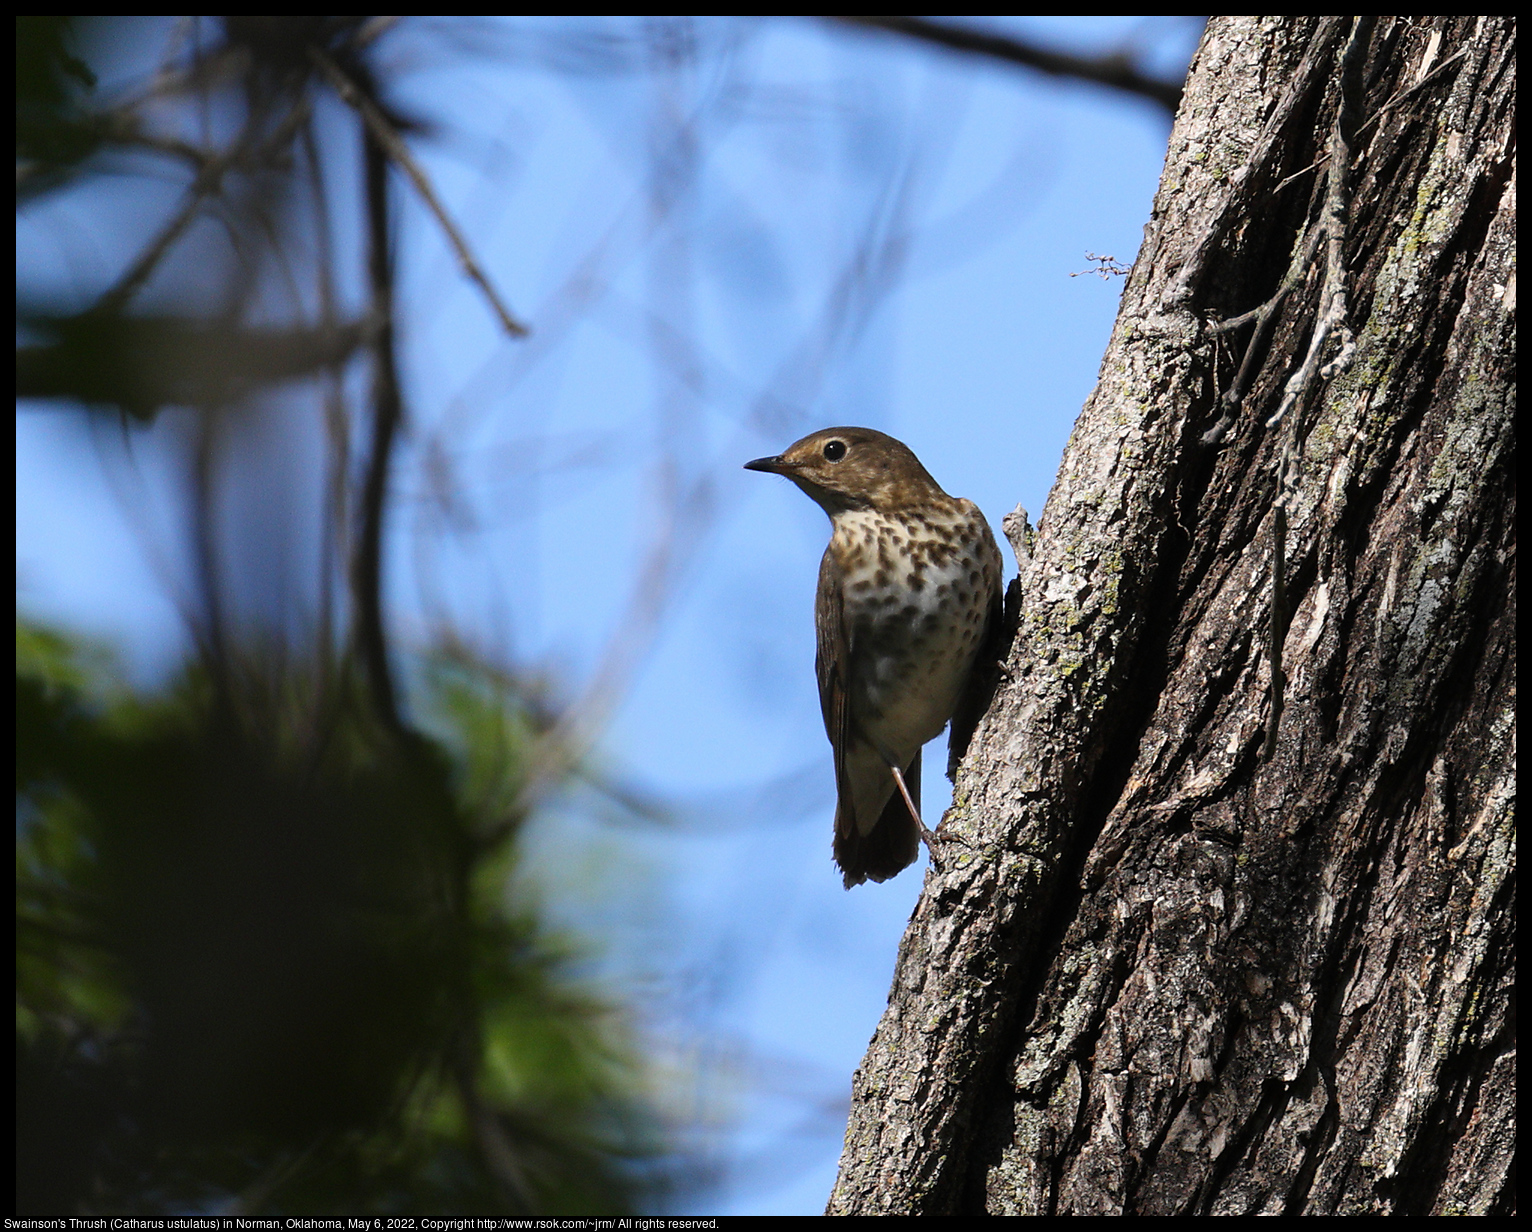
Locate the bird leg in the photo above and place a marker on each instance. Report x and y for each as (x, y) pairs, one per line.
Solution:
(930, 837)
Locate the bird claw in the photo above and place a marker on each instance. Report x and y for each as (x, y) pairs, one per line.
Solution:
(937, 838)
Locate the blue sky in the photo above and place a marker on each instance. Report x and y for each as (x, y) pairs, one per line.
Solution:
(795, 226)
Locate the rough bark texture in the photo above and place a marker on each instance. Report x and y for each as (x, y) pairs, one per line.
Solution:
(1171, 973)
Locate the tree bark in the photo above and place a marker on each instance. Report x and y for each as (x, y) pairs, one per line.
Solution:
(1184, 965)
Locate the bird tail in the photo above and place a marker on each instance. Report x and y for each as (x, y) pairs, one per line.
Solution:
(890, 847)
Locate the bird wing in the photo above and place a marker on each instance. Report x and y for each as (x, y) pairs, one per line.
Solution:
(979, 688)
(832, 664)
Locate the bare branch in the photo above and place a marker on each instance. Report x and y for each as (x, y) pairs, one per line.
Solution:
(387, 407)
(1116, 71)
(374, 28)
(207, 183)
(143, 363)
(393, 145)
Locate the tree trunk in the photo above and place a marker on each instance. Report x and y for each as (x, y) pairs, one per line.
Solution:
(1234, 930)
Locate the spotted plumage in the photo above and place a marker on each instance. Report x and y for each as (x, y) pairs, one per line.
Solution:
(908, 599)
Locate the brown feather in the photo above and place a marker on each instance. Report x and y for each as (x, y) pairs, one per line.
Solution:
(832, 660)
(893, 843)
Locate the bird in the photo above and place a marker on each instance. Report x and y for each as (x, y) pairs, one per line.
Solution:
(908, 603)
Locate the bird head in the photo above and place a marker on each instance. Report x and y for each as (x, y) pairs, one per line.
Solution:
(854, 468)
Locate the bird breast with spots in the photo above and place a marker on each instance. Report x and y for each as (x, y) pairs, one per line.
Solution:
(916, 594)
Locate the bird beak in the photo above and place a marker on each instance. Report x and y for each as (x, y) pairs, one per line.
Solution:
(776, 466)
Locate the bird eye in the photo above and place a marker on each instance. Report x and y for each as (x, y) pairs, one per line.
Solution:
(835, 451)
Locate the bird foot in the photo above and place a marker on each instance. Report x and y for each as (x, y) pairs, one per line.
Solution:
(936, 840)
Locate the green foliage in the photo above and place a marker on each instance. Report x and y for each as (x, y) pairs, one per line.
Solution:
(270, 958)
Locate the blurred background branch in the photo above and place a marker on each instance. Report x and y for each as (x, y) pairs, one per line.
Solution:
(1116, 70)
(271, 952)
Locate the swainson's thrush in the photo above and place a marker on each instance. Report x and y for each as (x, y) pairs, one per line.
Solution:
(909, 596)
